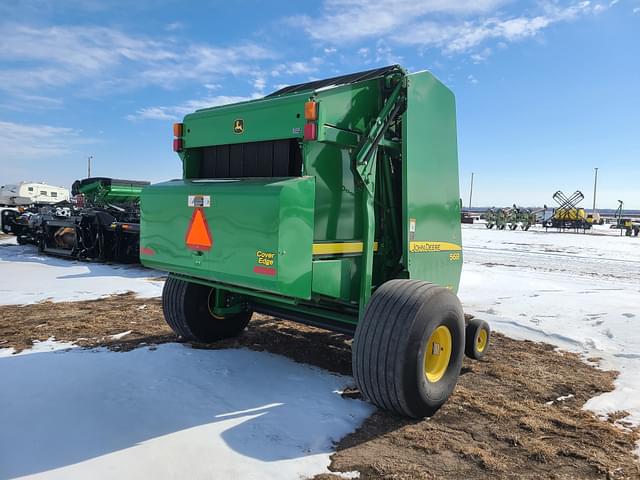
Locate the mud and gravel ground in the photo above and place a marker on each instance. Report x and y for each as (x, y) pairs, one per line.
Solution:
(516, 414)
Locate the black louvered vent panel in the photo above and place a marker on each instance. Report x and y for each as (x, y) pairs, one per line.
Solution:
(274, 158)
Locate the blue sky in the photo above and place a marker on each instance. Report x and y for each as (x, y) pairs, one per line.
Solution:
(546, 91)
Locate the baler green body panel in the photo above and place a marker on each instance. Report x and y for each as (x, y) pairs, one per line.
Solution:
(264, 119)
(346, 110)
(261, 229)
(430, 182)
(317, 221)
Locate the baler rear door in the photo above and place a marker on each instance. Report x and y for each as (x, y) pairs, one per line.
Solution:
(261, 231)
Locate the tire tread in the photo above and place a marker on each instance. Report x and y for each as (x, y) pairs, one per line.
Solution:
(381, 339)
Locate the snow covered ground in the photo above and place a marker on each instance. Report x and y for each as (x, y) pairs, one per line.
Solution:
(174, 412)
(579, 292)
(8, 240)
(170, 412)
(177, 412)
(28, 277)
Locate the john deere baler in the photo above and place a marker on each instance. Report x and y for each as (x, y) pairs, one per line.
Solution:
(334, 203)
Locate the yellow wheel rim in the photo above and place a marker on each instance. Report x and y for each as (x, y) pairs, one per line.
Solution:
(483, 339)
(437, 354)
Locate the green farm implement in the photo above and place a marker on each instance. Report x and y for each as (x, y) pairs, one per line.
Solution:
(102, 222)
(333, 203)
(522, 217)
(511, 218)
(496, 217)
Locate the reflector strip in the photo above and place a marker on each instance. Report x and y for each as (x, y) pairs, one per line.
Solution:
(426, 247)
(147, 251)
(340, 248)
(198, 236)
(264, 270)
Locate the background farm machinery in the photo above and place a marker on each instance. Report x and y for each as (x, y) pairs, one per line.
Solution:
(568, 215)
(510, 218)
(101, 222)
(627, 226)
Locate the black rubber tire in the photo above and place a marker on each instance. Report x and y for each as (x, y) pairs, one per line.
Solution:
(474, 327)
(390, 342)
(186, 310)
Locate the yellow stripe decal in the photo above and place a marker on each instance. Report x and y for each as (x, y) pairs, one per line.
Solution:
(340, 248)
(426, 247)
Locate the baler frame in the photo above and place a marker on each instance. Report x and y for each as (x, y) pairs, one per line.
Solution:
(355, 226)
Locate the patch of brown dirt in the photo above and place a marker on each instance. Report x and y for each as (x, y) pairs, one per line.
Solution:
(89, 324)
(503, 421)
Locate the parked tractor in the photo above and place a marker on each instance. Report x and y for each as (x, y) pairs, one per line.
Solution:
(333, 203)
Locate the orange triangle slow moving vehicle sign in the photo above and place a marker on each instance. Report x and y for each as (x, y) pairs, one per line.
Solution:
(198, 235)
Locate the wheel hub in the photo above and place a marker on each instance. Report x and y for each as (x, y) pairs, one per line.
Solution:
(437, 354)
(481, 343)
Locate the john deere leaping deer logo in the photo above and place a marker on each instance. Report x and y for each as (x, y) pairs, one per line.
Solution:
(238, 126)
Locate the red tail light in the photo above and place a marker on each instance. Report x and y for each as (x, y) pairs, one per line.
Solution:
(310, 131)
(177, 144)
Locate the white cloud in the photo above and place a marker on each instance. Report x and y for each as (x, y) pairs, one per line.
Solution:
(57, 56)
(636, 10)
(469, 35)
(20, 141)
(173, 26)
(482, 55)
(453, 27)
(296, 68)
(349, 20)
(472, 79)
(176, 112)
(26, 102)
(259, 84)
(384, 54)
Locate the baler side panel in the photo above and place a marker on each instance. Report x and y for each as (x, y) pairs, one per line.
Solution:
(432, 236)
(262, 232)
(349, 111)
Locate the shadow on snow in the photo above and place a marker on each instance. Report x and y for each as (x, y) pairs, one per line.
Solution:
(61, 408)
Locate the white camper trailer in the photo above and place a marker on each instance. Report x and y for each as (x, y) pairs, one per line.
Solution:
(31, 193)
